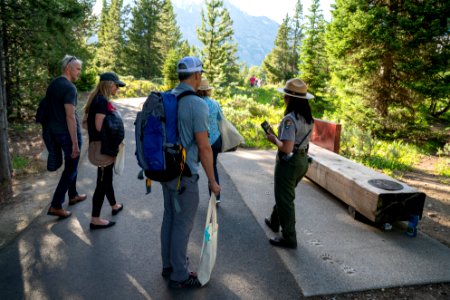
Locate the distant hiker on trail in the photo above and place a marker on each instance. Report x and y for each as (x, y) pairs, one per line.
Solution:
(214, 117)
(252, 81)
(193, 129)
(65, 133)
(100, 113)
(291, 161)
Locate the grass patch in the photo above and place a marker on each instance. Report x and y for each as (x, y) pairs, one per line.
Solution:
(23, 127)
(19, 163)
(443, 164)
(387, 156)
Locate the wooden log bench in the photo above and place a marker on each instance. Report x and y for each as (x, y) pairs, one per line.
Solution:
(376, 196)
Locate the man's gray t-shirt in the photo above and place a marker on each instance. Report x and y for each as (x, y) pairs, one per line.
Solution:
(192, 118)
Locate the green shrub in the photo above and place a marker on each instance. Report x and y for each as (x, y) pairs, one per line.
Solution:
(137, 87)
(247, 112)
(87, 81)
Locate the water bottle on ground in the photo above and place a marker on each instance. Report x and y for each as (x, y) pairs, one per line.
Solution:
(411, 230)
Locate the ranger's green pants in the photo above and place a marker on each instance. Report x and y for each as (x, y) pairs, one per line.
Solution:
(287, 175)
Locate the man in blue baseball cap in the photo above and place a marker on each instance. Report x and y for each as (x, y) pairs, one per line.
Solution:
(193, 129)
(190, 64)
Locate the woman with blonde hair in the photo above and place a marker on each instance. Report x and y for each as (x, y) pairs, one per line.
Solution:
(98, 108)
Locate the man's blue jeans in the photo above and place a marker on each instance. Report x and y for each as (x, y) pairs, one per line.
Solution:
(68, 181)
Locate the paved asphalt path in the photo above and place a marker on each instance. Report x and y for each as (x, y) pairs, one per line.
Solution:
(54, 259)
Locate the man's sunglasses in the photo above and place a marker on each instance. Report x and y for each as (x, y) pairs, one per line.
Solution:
(71, 59)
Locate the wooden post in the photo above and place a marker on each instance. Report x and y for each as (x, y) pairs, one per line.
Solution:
(326, 135)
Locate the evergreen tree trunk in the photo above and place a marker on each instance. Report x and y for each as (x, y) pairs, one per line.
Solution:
(5, 161)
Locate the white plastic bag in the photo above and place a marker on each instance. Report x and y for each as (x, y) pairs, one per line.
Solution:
(119, 164)
(209, 248)
(231, 138)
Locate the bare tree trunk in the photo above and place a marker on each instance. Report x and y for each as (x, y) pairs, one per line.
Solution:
(5, 160)
(437, 114)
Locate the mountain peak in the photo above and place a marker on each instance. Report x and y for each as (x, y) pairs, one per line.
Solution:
(254, 35)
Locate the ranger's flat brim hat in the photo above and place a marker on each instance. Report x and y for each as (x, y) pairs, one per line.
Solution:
(204, 85)
(296, 88)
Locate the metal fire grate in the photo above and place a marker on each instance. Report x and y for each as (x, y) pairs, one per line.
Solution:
(384, 184)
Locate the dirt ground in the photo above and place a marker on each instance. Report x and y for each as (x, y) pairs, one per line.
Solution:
(435, 221)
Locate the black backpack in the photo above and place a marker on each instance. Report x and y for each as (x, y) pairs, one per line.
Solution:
(42, 111)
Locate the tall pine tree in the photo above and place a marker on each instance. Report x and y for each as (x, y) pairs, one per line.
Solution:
(277, 64)
(103, 21)
(296, 36)
(110, 38)
(388, 58)
(169, 33)
(219, 48)
(313, 64)
(144, 57)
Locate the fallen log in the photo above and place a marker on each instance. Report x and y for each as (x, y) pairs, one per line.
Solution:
(378, 197)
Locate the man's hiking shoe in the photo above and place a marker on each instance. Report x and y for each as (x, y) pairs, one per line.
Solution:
(191, 282)
(166, 272)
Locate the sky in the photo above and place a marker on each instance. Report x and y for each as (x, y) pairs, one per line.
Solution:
(273, 9)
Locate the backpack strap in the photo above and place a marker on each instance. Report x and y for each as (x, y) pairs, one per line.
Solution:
(186, 93)
(185, 149)
(179, 97)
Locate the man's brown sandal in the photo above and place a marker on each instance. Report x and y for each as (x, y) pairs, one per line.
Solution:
(77, 199)
(59, 212)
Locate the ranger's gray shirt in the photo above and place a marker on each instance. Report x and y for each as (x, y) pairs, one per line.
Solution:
(293, 129)
(192, 118)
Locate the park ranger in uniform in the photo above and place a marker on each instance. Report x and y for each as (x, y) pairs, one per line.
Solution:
(291, 161)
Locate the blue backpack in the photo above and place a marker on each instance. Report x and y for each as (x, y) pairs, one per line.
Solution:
(158, 148)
